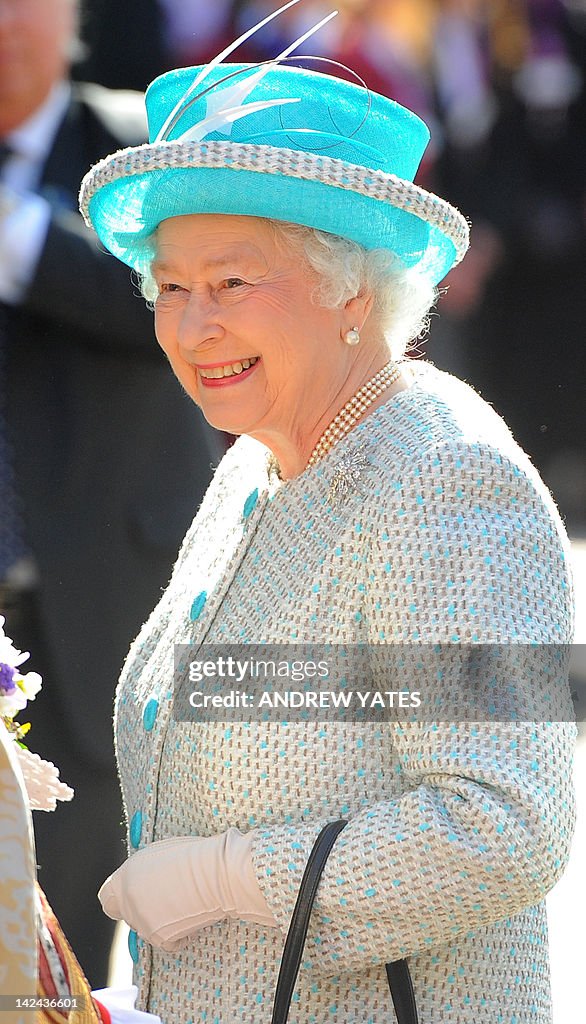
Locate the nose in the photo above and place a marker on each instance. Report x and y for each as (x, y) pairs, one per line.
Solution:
(200, 325)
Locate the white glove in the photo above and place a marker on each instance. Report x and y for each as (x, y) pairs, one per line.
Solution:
(172, 888)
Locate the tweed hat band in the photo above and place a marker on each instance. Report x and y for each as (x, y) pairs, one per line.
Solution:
(276, 142)
(372, 183)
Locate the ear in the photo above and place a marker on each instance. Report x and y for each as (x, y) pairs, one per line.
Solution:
(357, 310)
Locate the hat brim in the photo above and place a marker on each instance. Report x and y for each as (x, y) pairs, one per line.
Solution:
(126, 197)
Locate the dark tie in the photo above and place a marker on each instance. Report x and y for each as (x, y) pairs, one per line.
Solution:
(12, 544)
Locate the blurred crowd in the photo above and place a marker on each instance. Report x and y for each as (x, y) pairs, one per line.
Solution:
(501, 83)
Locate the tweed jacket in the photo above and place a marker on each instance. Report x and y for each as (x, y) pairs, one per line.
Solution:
(456, 831)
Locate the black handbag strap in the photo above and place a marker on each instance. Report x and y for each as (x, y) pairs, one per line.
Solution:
(398, 975)
(402, 994)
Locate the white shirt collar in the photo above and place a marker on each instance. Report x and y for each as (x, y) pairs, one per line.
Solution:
(33, 139)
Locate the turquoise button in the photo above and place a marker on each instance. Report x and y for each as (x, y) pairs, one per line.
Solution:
(133, 946)
(198, 606)
(150, 713)
(250, 503)
(136, 828)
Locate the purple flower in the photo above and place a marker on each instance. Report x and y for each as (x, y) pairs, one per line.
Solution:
(7, 684)
(12, 698)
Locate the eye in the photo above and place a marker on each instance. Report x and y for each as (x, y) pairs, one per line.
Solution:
(234, 282)
(169, 286)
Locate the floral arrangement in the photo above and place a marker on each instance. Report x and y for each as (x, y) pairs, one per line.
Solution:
(41, 777)
(15, 689)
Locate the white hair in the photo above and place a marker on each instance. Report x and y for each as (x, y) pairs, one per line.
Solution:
(402, 297)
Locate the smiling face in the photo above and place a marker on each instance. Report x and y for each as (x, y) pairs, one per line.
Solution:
(236, 319)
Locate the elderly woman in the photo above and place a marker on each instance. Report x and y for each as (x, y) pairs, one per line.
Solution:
(368, 500)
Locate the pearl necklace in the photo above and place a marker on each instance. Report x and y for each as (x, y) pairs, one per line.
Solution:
(352, 411)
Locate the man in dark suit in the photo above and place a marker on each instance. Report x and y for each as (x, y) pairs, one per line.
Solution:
(109, 459)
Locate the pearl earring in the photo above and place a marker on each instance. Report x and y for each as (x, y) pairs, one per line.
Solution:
(352, 337)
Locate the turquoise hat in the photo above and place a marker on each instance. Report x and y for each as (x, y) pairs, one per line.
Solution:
(280, 142)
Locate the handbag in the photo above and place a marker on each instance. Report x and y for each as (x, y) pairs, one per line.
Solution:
(398, 975)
